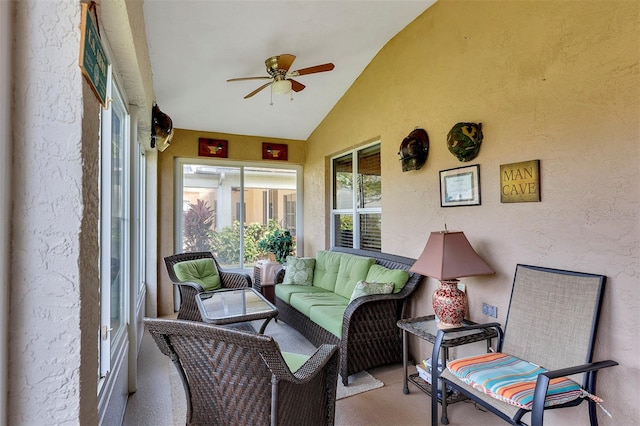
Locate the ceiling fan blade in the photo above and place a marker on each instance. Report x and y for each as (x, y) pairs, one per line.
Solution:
(249, 78)
(285, 61)
(296, 86)
(311, 70)
(257, 90)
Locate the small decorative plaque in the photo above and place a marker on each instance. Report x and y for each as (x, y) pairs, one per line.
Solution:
(93, 60)
(213, 148)
(520, 182)
(274, 151)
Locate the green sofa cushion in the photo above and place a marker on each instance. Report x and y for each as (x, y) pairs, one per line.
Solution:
(326, 270)
(201, 271)
(299, 270)
(284, 292)
(329, 318)
(380, 274)
(305, 301)
(294, 361)
(352, 269)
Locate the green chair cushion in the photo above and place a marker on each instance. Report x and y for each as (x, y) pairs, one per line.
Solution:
(294, 361)
(299, 270)
(380, 274)
(305, 301)
(329, 318)
(326, 270)
(284, 292)
(364, 288)
(352, 269)
(201, 271)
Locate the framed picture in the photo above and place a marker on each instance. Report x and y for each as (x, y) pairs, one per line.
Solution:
(274, 151)
(460, 186)
(520, 182)
(213, 148)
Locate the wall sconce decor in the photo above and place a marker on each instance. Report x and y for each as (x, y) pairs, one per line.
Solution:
(464, 140)
(274, 151)
(213, 148)
(414, 150)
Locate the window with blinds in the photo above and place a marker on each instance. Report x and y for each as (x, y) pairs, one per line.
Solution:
(357, 199)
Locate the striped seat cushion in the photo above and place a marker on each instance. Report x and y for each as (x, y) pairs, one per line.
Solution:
(513, 380)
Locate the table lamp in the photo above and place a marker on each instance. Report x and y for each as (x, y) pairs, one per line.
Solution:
(447, 257)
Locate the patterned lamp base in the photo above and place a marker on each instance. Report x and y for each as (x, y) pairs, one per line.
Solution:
(449, 304)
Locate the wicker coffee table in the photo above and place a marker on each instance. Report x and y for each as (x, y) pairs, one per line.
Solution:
(231, 306)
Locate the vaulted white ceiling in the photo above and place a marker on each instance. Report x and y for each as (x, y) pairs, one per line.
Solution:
(195, 46)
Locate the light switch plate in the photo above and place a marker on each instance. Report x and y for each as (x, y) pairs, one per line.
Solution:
(490, 310)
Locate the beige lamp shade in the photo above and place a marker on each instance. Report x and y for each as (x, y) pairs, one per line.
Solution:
(448, 256)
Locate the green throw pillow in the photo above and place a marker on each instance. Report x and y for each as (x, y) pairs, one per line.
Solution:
(200, 271)
(299, 270)
(364, 288)
(380, 274)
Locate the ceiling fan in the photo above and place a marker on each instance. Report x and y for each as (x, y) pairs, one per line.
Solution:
(281, 79)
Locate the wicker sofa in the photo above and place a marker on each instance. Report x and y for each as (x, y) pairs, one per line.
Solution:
(369, 336)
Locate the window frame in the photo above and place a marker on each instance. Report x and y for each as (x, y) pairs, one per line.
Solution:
(241, 165)
(111, 342)
(355, 211)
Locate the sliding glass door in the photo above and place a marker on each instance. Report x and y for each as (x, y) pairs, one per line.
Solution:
(227, 208)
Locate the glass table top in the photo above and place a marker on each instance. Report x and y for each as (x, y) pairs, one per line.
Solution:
(233, 305)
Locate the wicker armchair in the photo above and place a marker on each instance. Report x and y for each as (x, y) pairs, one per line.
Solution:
(232, 377)
(189, 290)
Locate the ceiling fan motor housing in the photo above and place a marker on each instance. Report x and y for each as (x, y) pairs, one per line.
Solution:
(272, 67)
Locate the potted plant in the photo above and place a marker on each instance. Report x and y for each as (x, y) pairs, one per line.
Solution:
(279, 242)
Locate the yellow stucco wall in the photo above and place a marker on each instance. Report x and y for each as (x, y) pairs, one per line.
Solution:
(185, 145)
(554, 81)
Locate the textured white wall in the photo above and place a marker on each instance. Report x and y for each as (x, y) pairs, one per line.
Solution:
(54, 285)
(549, 81)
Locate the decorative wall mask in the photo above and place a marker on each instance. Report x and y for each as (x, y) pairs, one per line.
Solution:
(464, 140)
(414, 150)
(161, 129)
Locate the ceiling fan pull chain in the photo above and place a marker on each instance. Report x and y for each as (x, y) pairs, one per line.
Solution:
(271, 95)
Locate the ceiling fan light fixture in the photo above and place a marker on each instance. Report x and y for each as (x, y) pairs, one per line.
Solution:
(281, 87)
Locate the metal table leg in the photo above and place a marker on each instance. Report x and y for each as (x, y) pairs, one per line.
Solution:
(444, 353)
(264, 325)
(405, 356)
